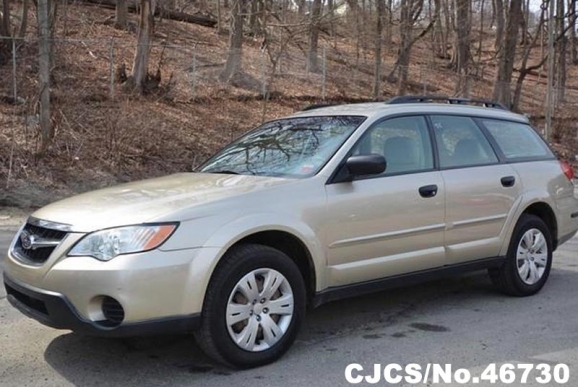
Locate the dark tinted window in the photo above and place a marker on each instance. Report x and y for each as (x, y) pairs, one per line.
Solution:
(517, 140)
(461, 142)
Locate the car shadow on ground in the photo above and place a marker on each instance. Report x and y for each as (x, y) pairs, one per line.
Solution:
(153, 361)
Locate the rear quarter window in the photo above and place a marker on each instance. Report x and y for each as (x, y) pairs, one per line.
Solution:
(517, 140)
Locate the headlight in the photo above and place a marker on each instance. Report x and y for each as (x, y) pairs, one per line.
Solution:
(107, 244)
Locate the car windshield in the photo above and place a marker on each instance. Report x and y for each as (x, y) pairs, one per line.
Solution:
(292, 147)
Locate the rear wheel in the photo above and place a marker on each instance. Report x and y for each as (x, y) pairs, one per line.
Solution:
(254, 307)
(528, 261)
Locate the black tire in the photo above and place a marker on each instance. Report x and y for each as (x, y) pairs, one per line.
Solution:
(507, 277)
(213, 336)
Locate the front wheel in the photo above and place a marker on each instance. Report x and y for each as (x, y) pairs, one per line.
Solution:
(528, 261)
(254, 307)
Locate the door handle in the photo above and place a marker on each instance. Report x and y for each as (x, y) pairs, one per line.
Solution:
(428, 191)
(508, 181)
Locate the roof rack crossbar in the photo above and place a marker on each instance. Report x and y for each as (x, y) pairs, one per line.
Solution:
(451, 100)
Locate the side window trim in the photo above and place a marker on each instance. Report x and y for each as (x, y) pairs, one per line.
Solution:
(341, 165)
(491, 139)
(434, 144)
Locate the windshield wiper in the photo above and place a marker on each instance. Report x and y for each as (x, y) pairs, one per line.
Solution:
(225, 172)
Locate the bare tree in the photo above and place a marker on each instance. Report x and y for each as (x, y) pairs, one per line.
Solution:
(6, 31)
(141, 58)
(5, 20)
(312, 54)
(462, 42)
(561, 51)
(300, 8)
(500, 22)
(121, 14)
(410, 12)
(507, 54)
(233, 64)
(439, 37)
(44, 71)
(573, 49)
(378, 37)
(525, 69)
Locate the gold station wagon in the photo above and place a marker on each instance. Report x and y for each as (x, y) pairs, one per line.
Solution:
(327, 203)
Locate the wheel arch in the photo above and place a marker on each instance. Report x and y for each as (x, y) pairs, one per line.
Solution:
(543, 211)
(290, 245)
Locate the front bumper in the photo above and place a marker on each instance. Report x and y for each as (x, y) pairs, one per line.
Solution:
(55, 310)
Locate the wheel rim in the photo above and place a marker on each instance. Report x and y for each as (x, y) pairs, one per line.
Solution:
(259, 310)
(532, 256)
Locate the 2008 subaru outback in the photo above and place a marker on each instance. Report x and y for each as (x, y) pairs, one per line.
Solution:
(326, 203)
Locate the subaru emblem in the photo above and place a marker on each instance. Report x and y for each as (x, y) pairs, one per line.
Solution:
(26, 240)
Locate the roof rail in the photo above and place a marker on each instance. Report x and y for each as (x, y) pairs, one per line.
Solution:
(451, 100)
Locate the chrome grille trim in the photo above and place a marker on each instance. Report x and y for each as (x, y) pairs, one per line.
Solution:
(35, 242)
(49, 225)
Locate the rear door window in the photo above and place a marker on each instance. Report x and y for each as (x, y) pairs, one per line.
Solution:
(461, 142)
(516, 140)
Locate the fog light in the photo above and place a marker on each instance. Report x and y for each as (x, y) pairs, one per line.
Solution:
(113, 311)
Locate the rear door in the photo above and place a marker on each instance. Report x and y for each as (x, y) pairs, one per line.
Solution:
(480, 191)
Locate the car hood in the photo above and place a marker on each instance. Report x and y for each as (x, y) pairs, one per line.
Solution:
(149, 200)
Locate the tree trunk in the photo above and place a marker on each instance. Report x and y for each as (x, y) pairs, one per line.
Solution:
(481, 38)
(405, 31)
(5, 22)
(219, 18)
(524, 69)
(377, 54)
(121, 14)
(167, 13)
(573, 49)
(462, 37)
(5, 34)
(141, 58)
(253, 18)
(233, 64)
(23, 20)
(331, 12)
(439, 39)
(500, 21)
(507, 55)
(561, 52)
(301, 8)
(389, 26)
(312, 64)
(44, 72)
(448, 27)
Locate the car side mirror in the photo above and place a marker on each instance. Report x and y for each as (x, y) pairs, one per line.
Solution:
(362, 165)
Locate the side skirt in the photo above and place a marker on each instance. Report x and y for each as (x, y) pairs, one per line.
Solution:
(402, 280)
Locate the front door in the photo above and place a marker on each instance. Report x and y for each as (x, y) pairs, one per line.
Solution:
(393, 223)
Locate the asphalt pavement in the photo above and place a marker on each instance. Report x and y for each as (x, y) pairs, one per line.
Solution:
(460, 321)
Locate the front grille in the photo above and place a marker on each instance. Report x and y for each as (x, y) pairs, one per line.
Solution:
(37, 255)
(30, 302)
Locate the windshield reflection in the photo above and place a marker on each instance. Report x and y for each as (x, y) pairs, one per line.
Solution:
(292, 147)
